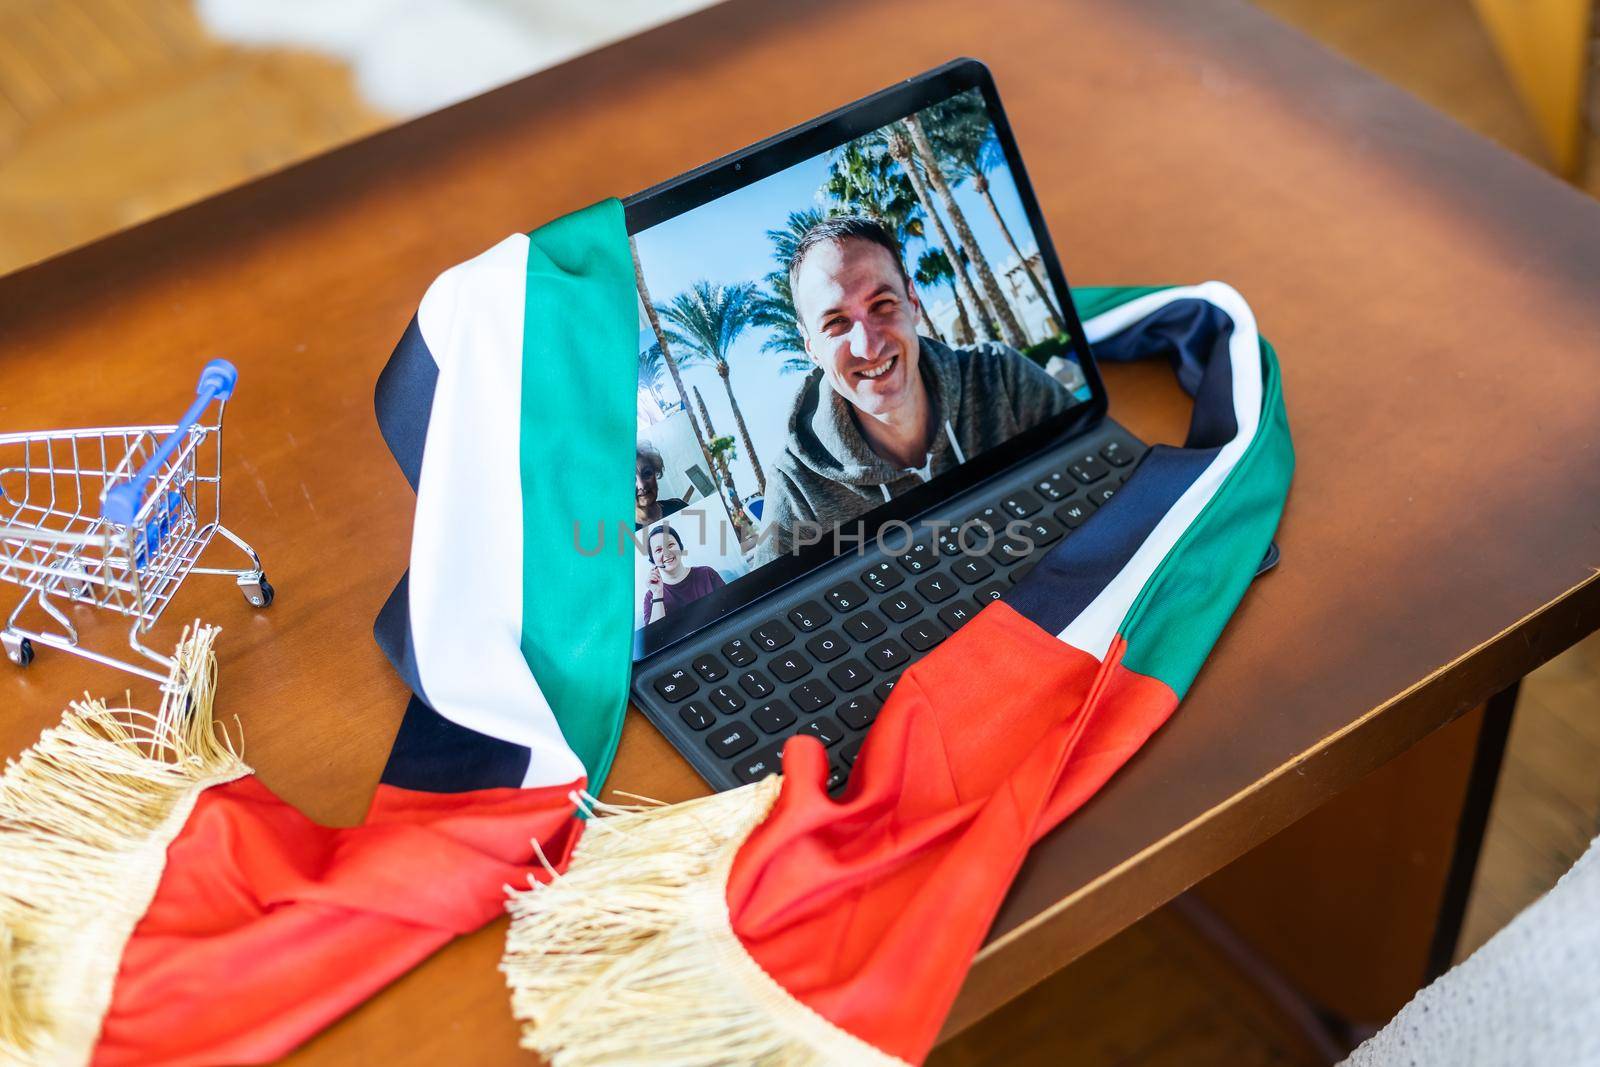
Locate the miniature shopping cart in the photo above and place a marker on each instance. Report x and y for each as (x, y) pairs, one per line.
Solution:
(115, 519)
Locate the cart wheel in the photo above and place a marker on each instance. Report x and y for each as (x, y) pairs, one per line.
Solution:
(19, 651)
(258, 592)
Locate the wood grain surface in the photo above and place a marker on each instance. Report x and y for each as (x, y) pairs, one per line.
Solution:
(1433, 298)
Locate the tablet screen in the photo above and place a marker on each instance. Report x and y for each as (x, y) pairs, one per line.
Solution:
(821, 341)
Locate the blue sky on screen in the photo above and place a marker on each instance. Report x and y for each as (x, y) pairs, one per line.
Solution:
(725, 242)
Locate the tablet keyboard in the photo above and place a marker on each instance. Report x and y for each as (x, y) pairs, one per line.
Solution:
(823, 655)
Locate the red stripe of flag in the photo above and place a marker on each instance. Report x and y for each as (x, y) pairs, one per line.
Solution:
(983, 747)
(267, 926)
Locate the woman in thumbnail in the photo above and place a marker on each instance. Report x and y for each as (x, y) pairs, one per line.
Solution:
(673, 583)
(647, 470)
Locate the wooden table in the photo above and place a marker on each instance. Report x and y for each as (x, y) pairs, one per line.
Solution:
(1433, 298)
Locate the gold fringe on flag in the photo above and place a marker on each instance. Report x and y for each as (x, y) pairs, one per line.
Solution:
(630, 958)
(86, 816)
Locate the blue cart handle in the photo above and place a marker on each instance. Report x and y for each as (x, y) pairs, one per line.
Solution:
(122, 501)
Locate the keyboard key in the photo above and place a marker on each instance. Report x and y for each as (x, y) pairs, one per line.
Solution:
(990, 521)
(1045, 531)
(809, 616)
(837, 777)
(756, 684)
(901, 607)
(812, 695)
(990, 593)
(972, 569)
(864, 626)
(1089, 469)
(858, 712)
(1055, 487)
(696, 716)
(923, 635)
(851, 752)
(827, 646)
(758, 765)
(773, 716)
(887, 654)
(851, 674)
(1103, 493)
(956, 615)
(1011, 549)
(739, 653)
(710, 668)
(920, 558)
(731, 739)
(937, 588)
(1117, 454)
(726, 700)
(1074, 513)
(677, 684)
(771, 635)
(846, 597)
(884, 688)
(826, 730)
(789, 666)
(1019, 573)
(949, 541)
(881, 577)
(1021, 504)
(972, 536)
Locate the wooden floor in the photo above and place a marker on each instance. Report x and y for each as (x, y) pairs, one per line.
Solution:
(1438, 51)
(1158, 995)
(1547, 806)
(112, 111)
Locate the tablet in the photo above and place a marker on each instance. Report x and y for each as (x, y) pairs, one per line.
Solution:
(804, 306)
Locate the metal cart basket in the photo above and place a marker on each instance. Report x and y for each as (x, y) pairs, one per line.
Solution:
(116, 518)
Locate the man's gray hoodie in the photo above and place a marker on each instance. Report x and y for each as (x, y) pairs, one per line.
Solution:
(828, 474)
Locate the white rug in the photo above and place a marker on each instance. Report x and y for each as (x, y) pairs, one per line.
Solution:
(414, 56)
(1529, 996)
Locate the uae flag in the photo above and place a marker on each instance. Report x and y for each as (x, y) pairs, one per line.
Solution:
(159, 905)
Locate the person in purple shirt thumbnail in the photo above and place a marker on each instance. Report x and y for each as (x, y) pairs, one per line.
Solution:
(673, 583)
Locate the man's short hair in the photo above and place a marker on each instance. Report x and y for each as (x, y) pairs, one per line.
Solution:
(651, 455)
(840, 228)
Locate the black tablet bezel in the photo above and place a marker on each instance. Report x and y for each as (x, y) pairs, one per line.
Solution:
(723, 176)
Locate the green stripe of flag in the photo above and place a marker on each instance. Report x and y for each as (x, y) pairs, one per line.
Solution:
(1188, 600)
(1091, 300)
(579, 365)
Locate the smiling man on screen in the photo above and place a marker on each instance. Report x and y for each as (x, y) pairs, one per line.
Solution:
(885, 409)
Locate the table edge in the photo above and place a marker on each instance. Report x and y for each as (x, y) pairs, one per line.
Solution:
(1421, 708)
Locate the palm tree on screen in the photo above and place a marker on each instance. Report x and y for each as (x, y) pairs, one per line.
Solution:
(895, 139)
(666, 353)
(929, 160)
(775, 303)
(965, 141)
(776, 312)
(722, 452)
(652, 372)
(705, 322)
(933, 268)
(863, 177)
